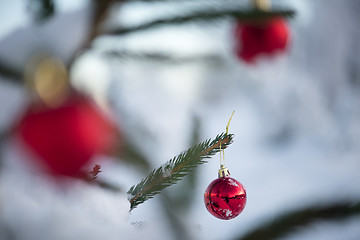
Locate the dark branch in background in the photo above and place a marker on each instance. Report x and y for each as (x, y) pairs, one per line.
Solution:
(130, 154)
(3, 136)
(108, 186)
(286, 224)
(178, 200)
(9, 74)
(156, 1)
(175, 219)
(100, 9)
(175, 169)
(165, 57)
(42, 9)
(206, 15)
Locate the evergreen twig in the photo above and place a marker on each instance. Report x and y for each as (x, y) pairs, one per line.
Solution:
(287, 223)
(176, 168)
(206, 15)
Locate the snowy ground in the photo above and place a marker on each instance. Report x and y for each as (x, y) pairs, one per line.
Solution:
(296, 126)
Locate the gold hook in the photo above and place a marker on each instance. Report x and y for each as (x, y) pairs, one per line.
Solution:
(222, 151)
(223, 171)
(227, 126)
(222, 158)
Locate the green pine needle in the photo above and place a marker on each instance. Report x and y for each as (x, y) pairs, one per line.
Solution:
(178, 167)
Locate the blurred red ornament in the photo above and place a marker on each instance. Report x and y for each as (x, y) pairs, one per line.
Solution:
(67, 136)
(266, 37)
(225, 197)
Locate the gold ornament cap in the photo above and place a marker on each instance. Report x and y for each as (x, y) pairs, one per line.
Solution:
(263, 5)
(223, 172)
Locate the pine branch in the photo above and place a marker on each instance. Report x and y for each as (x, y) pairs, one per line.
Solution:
(206, 16)
(175, 169)
(291, 221)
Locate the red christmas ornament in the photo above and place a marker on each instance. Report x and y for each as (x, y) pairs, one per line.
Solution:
(225, 197)
(266, 37)
(67, 136)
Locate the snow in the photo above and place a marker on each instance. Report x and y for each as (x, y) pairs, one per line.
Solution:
(233, 183)
(296, 126)
(46, 209)
(228, 212)
(23, 43)
(167, 169)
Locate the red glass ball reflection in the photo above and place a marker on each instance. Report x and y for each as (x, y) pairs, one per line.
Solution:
(66, 137)
(225, 198)
(261, 38)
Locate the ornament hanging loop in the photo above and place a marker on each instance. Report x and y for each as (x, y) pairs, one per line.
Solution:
(224, 171)
(227, 126)
(222, 156)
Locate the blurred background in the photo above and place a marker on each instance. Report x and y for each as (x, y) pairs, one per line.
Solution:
(296, 124)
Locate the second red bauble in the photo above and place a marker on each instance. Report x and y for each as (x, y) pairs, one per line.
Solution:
(225, 198)
(66, 137)
(261, 38)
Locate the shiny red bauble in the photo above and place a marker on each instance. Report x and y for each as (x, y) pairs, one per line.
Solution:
(225, 198)
(65, 138)
(261, 38)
